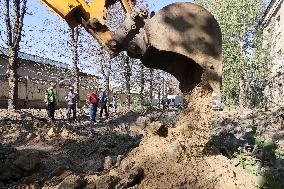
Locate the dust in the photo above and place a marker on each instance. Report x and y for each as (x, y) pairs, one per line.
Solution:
(182, 160)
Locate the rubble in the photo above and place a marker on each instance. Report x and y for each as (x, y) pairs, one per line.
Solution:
(16, 164)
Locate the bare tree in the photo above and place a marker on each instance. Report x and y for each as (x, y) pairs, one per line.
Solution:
(151, 78)
(127, 67)
(142, 83)
(105, 68)
(14, 24)
(75, 69)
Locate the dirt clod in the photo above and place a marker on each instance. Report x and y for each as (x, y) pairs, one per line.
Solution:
(72, 182)
(28, 161)
(133, 178)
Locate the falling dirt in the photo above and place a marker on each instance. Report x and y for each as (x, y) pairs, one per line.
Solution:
(182, 160)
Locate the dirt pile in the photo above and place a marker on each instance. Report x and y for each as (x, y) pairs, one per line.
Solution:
(181, 160)
(41, 155)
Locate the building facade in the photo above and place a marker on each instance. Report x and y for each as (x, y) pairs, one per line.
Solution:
(34, 75)
(273, 30)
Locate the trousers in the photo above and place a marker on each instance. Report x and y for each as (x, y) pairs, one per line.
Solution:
(51, 110)
(92, 112)
(71, 110)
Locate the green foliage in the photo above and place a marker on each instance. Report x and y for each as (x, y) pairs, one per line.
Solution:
(249, 136)
(246, 162)
(268, 179)
(136, 103)
(238, 20)
(265, 164)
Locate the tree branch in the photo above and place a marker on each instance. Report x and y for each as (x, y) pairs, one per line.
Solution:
(20, 22)
(8, 24)
(16, 18)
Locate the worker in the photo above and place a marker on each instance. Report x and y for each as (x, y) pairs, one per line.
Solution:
(50, 100)
(92, 100)
(103, 102)
(71, 98)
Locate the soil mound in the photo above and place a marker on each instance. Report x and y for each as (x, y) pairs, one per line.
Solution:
(182, 160)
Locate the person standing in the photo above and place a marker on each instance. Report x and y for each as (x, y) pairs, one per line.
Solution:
(92, 100)
(114, 103)
(50, 100)
(103, 102)
(71, 99)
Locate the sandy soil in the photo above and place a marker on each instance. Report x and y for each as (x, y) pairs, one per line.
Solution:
(182, 160)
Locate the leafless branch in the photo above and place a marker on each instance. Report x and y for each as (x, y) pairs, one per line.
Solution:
(20, 22)
(8, 23)
(16, 18)
(1, 36)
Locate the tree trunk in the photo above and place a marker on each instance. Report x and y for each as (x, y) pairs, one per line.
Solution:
(127, 83)
(244, 93)
(128, 94)
(12, 80)
(75, 69)
(106, 70)
(159, 96)
(151, 84)
(108, 87)
(127, 75)
(14, 28)
(142, 84)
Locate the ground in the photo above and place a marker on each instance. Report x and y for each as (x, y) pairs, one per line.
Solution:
(190, 148)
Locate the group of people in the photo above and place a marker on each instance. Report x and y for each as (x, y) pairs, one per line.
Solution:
(94, 100)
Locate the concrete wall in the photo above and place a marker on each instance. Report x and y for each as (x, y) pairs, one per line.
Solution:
(34, 79)
(31, 93)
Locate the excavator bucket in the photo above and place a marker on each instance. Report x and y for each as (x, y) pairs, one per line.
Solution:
(185, 40)
(182, 39)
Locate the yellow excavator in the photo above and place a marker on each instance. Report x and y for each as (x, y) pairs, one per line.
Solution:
(182, 38)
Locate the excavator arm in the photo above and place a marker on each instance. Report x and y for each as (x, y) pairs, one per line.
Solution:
(90, 15)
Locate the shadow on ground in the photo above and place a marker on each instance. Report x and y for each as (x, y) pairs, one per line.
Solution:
(62, 148)
(253, 142)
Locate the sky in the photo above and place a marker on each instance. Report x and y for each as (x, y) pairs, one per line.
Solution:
(46, 35)
(158, 4)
